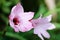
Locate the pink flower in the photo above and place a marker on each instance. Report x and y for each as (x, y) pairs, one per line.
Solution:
(20, 20)
(41, 25)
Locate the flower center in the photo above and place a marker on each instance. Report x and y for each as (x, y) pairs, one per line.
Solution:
(15, 21)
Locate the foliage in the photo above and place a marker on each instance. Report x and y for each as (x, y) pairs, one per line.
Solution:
(7, 33)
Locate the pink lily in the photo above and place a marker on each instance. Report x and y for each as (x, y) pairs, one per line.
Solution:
(20, 20)
(41, 25)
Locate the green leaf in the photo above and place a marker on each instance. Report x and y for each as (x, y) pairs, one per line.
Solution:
(50, 12)
(14, 35)
(41, 10)
(57, 25)
(4, 18)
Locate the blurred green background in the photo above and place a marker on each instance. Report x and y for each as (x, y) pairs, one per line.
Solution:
(37, 6)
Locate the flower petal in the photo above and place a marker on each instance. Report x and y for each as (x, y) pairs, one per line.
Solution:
(40, 36)
(52, 26)
(41, 20)
(27, 15)
(23, 18)
(44, 20)
(45, 33)
(41, 30)
(12, 11)
(12, 15)
(37, 31)
(16, 29)
(17, 9)
(47, 26)
(11, 23)
(34, 22)
(13, 26)
(49, 18)
(25, 26)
